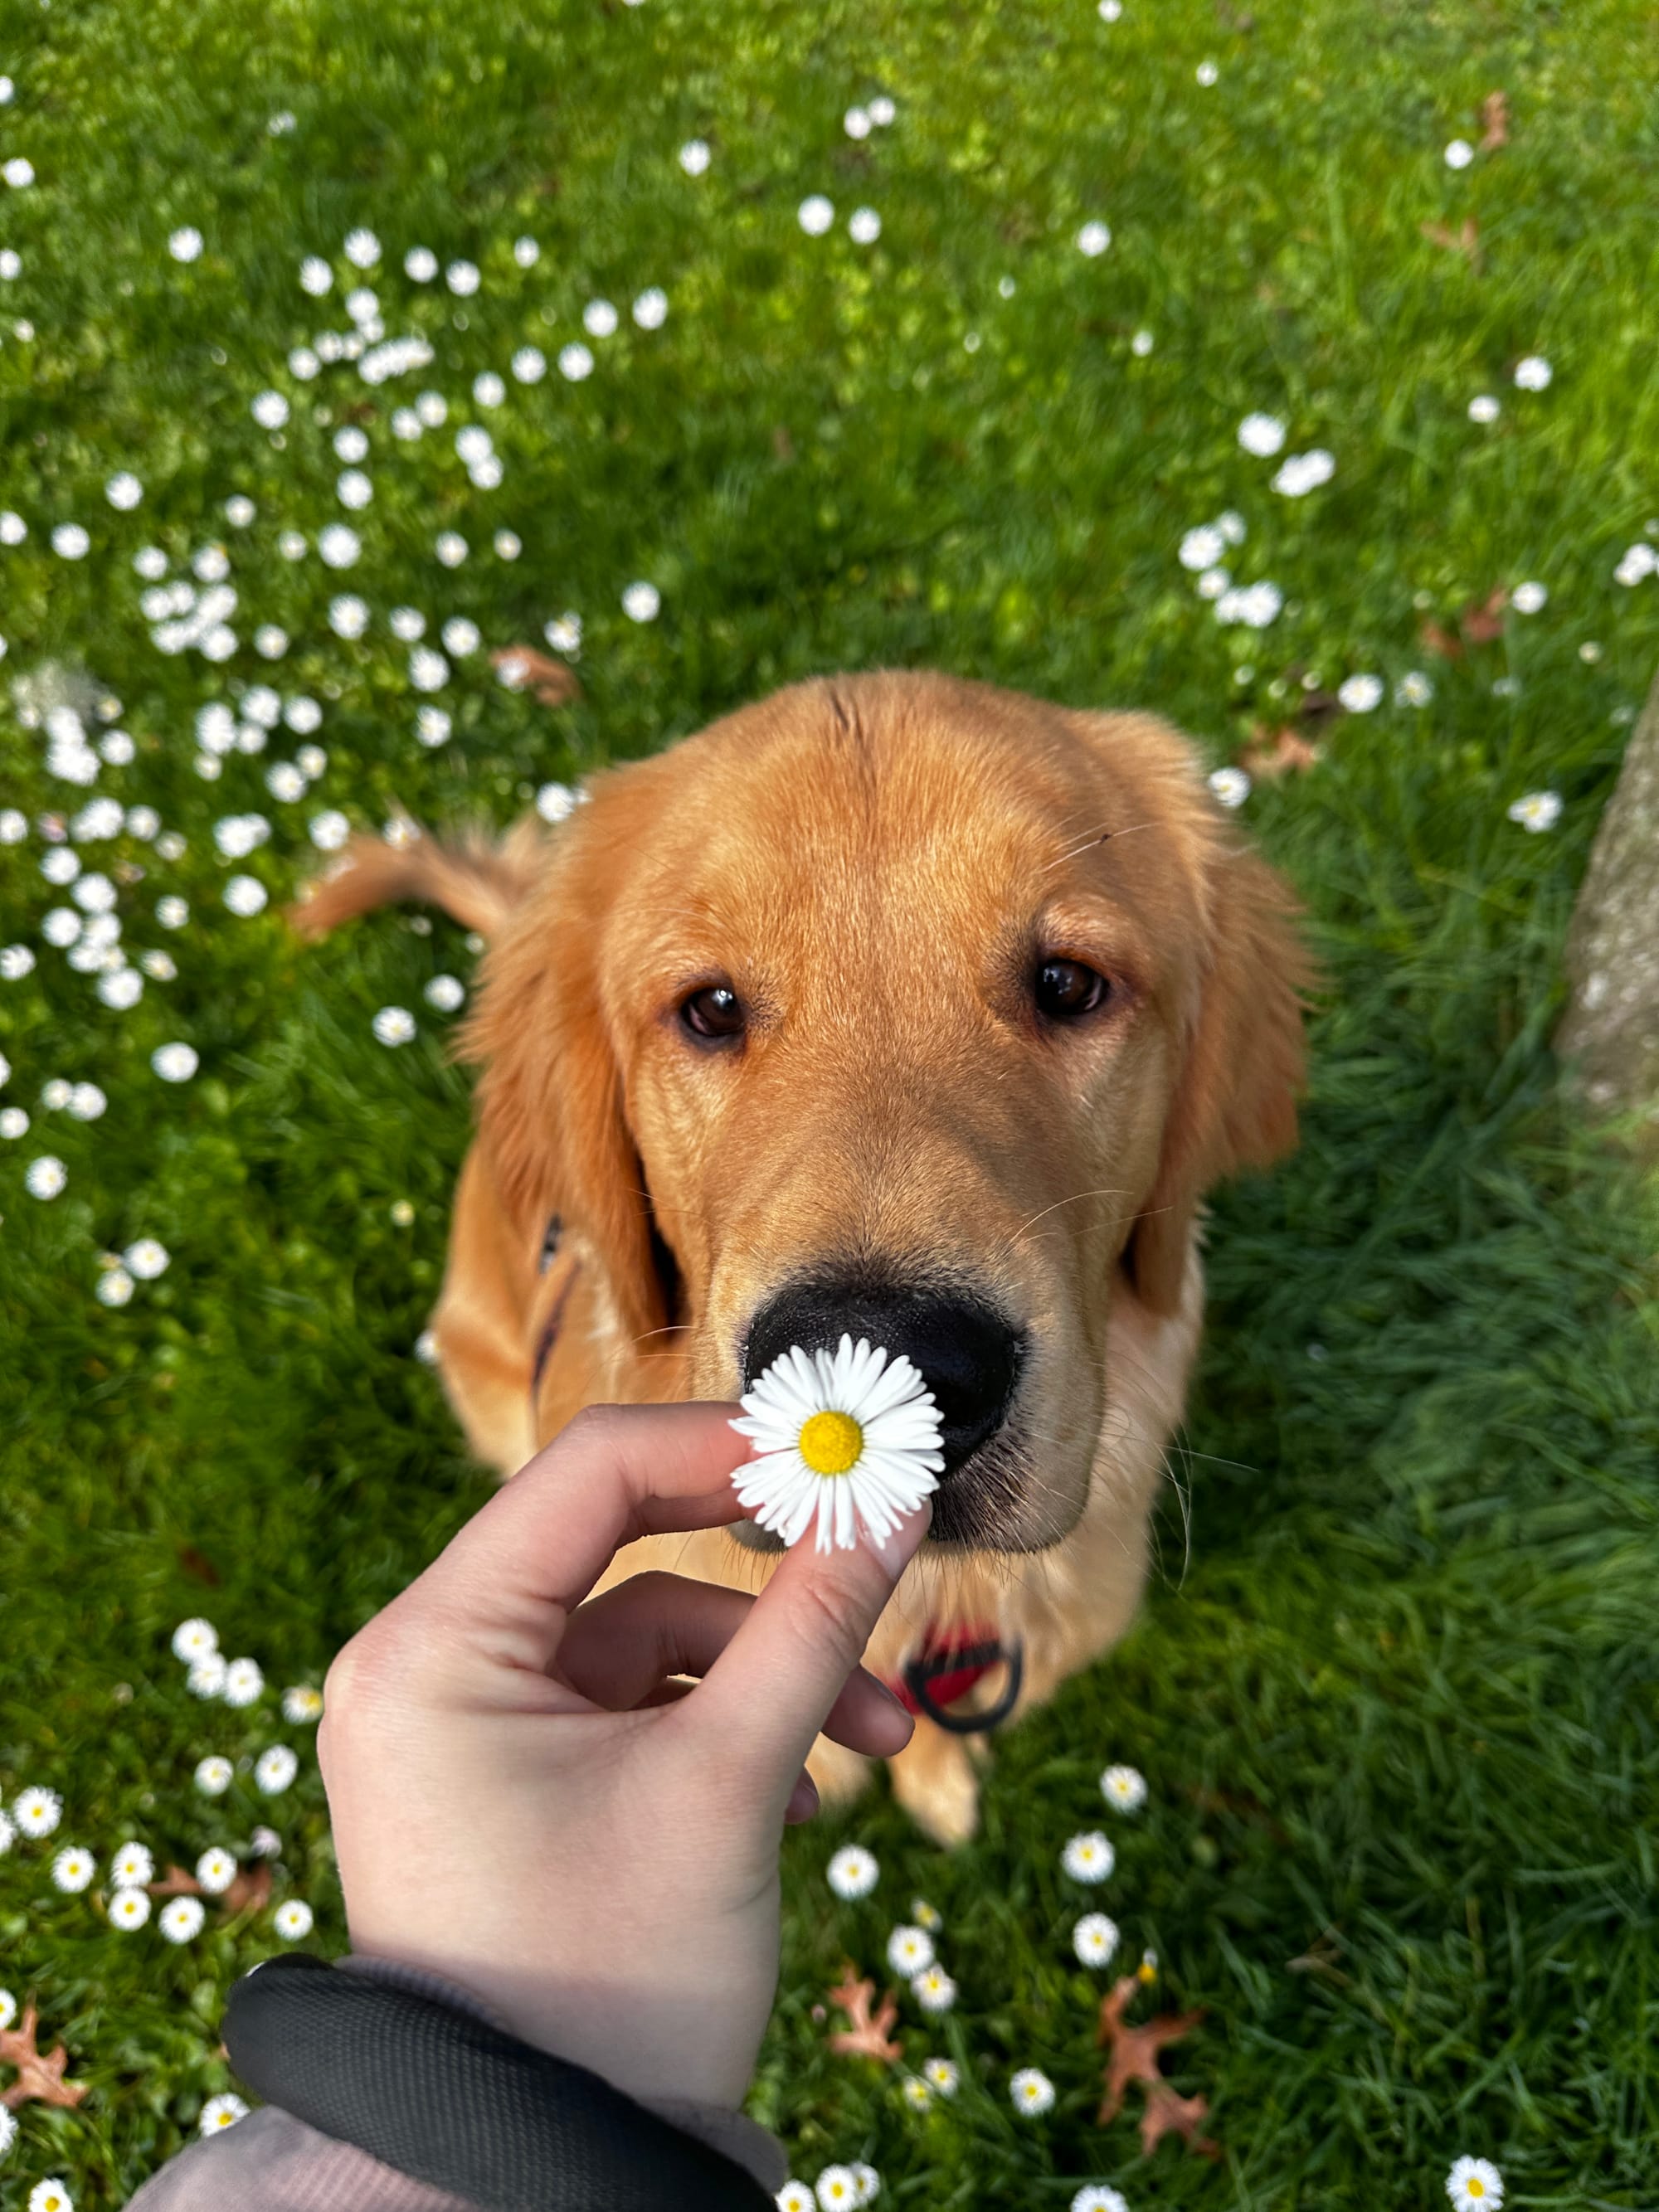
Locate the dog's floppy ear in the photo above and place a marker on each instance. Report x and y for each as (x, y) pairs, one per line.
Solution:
(477, 880)
(1235, 1090)
(551, 1110)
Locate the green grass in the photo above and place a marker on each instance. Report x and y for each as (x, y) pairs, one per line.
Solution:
(1395, 1692)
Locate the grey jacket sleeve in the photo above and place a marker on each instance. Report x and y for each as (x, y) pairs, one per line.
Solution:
(272, 2162)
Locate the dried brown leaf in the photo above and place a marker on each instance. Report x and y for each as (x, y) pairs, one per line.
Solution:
(869, 2037)
(525, 670)
(1279, 752)
(1482, 621)
(1167, 2113)
(1465, 240)
(1134, 2058)
(40, 2077)
(1495, 115)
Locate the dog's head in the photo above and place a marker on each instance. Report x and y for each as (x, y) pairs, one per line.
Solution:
(905, 1007)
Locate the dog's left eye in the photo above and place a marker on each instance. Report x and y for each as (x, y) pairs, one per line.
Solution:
(1067, 989)
(714, 1014)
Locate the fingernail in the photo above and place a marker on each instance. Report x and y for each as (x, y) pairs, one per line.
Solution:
(903, 1542)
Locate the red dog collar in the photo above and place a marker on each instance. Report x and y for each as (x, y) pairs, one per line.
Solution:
(946, 1667)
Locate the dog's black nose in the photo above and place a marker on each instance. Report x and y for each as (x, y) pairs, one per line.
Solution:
(967, 1355)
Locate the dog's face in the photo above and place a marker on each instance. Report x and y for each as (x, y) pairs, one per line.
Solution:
(904, 1008)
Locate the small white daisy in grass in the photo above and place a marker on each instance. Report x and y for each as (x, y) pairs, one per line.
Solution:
(311, 760)
(120, 988)
(433, 726)
(329, 830)
(51, 2196)
(14, 1122)
(926, 1915)
(1206, 73)
(508, 544)
(641, 603)
(1232, 785)
(864, 225)
(815, 214)
(301, 1703)
(795, 2196)
(460, 636)
(276, 1768)
(916, 2092)
(1530, 598)
(177, 1062)
(856, 123)
(363, 249)
(393, 1025)
(86, 1102)
(935, 1991)
(1147, 1970)
(147, 1259)
(247, 896)
(869, 2182)
(555, 802)
(7, 2126)
(13, 528)
(186, 243)
(214, 1775)
(132, 1867)
(462, 279)
(1483, 407)
(694, 156)
(284, 781)
(1095, 1939)
(651, 308)
(243, 1681)
(942, 2077)
(1095, 2196)
(221, 2112)
(8, 2013)
(1413, 690)
(421, 263)
(73, 1867)
(1360, 694)
(1261, 435)
(838, 2189)
(852, 1872)
(239, 511)
(1537, 810)
(1031, 2090)
(181, 1918)
(265, 1843)
(353, 489)
(37, 1812)
(575, 362)
(1636, 564)
(1093, 239)
(599, 318)
(293, 1920)
(1459, 153)
(316, 278)
(17, 960)
(909, 1951)
(70, 542)
(1474, 2184)
(124, 491)
(1304, 473)
(1124, 1787)
(843, 1439)
(129, 1909)
(450, 548)
(1532, 372)
(206, 1677)
(1089, 1857)
(215, 1870)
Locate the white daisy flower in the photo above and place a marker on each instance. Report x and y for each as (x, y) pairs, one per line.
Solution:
(69, 541)
(363, 249)
(815, 214)
(73, 1867)
(882, 109)
(1474, 2184)
(181, 1918)
(599, 318)
(11, 264)
(935, 1991)
(408, 624)
(1093, 238)
(432, 726)
(694, 156)
(8, 2011)
(50, 2197)
(795, 2196)
(1261, 435)
(303, 364)
(1095, 1939)
(926, 1915)
(221, 2111)
(1089, 1857)
(1483, 407)
(1413, 690)
(843, 1437)
(838, 2189)
(1459, 153)
(575, 362)
(215, 1870)
(86, 1102)
(46, 1177)
(433, 409)
(1360, 694)
(1529, 598)
(239, 511)
(1201, 548)
(129, 1908)
(942, 2075)
(206, 1675)
(329, 830)
(186, 243)
(856, 123)
(450, 548)
(121, 987)
(916, 2092)
(462, 279)
(243, 1682)
(1206, 74)
(864, 225)
(124, 491)
(14, 1122)
(909, 1951)
(446, 992)
(1125, 1787)
(526, 253)
(266, 1843)
(1534, 373)
(302, 1703)
(529, 364)
(564, 633)
(641, 603)
(1031, 2090)
(247, 896)
(132, 1867)
(293, 1920)
(291, 545)
(1095, 2196)
(214, 1776)
(340, 547)
(316, 278)
(1304, 473)
(9, 2135)
(460, 636)
(651, 308)
(311, 760)
(147, 1259)
(283, 781)
(13, 528)
(114, 1287)
(175, 1063)
(1537, 810)
(393, 1025)
(353, 489)
(276, 1768)
(422, 263)
(852, 1872)
(1232, 785)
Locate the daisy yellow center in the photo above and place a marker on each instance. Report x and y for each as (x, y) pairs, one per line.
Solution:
(830, 1443)
(1475, 2186)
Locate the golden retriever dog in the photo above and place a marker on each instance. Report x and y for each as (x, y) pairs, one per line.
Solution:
(897, 1006)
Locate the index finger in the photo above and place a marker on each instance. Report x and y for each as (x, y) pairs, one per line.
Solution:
(520, 1566)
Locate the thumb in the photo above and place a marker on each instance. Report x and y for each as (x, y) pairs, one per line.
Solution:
(770, 1691)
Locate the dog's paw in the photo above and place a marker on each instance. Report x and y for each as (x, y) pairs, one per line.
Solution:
(934, 1780)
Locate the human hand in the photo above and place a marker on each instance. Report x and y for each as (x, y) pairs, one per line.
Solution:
(524, 1801)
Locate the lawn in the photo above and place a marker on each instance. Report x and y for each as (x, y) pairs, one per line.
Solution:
(1396, 1692)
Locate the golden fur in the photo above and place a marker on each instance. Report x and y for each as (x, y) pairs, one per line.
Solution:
(874, 863)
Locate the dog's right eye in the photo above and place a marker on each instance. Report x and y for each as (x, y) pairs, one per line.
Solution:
(714, 1014)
